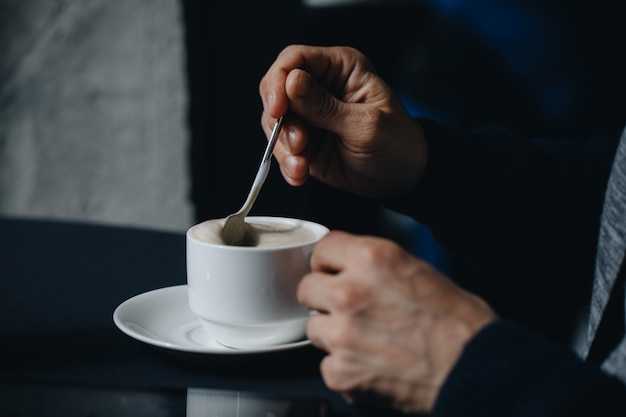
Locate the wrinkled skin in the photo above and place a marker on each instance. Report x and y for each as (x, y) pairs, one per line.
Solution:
(344, 125)
(393, 325)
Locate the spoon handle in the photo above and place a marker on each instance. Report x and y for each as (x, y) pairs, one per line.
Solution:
(264, 168)
(273, 139)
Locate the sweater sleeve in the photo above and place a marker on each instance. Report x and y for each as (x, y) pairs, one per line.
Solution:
(519, 216)
(509, 371)
(531, 207)
(492, 188)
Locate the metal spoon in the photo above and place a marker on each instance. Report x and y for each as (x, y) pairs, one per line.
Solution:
(235, 231)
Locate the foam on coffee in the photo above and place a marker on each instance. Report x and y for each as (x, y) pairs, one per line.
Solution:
(267, 231)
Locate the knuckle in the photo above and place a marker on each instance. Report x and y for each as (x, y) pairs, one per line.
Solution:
(340, 336)
(347, 297)
(370, 252)
(337, 373)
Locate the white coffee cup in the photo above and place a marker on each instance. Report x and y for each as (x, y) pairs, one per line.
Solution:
(245, 296)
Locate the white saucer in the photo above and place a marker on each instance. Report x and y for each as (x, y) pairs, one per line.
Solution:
(162, 318)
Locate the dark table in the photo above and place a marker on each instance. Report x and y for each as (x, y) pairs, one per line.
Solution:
(60, 349)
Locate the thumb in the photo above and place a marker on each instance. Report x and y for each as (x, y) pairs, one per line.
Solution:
(312, 102)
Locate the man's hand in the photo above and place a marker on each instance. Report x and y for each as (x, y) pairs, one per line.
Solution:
(393, 326)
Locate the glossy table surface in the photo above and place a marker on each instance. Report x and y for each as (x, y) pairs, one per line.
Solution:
(60, 283)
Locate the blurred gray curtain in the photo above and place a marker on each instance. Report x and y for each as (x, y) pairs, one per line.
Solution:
(92, 112)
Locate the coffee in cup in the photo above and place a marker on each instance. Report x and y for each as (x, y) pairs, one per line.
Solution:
(245, 296)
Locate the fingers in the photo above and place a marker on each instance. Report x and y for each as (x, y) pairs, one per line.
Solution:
(308, 103)
(315, 291)
(329, 254)
(314, 330)
(327, 288)
(319, 289)
(299, 80)
(290, 151)
(312, 102)
(272, 85)
(294, 169)
(293, 140)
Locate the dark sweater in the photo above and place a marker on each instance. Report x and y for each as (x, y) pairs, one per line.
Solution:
(529, 210)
